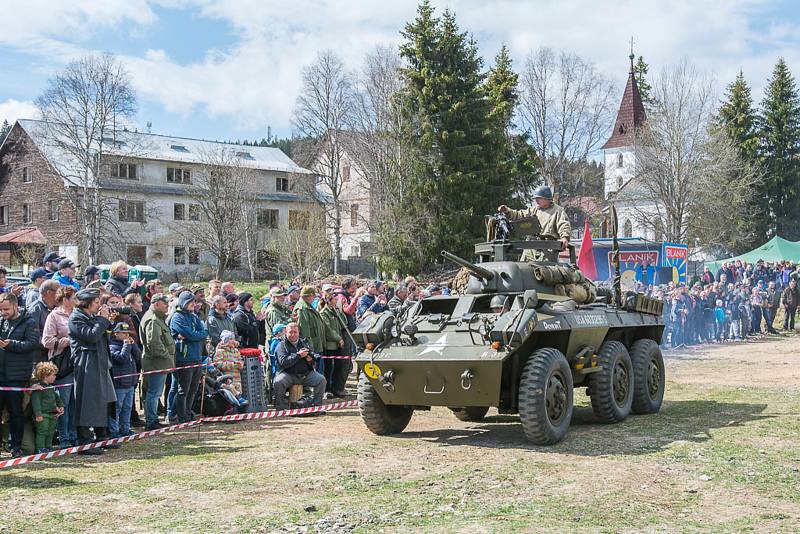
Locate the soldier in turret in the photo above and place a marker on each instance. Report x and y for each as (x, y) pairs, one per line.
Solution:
(553, 222)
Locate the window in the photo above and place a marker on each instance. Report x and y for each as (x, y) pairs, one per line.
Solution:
(282, 184)
(176, 175)
(620, 180)
(131, 211)
(267, 218)
(298, 220)
(125, 171)
(27, 214)
(619, 160)
(26, 176)
(179, 255)
(3, 215)
(346, 172)
(234, 259)
(354, 215)
(52, 210)
(194, 256)
(266, 259)
(178, 212)
(355, 251)
(137, 255)
(194, 212)
(627, 228)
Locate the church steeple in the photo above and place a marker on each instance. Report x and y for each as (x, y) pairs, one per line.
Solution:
(630, 116)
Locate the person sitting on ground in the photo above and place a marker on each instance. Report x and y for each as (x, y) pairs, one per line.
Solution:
(46, 405)
(228, 359)
(38, 277)
(296, 362)
(232, 392)
(126, 358)
(118, 280)
(66, 274)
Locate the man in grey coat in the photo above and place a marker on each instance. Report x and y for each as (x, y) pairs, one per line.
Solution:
(218, 321)
(94, 389)
(41, 308)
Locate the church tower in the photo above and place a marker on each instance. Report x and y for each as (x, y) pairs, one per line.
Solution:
(620, 149)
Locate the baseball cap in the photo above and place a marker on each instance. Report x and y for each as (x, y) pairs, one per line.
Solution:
(51, 256)
(90, 270)
(37, 273)
(66, 263)
(174, 286)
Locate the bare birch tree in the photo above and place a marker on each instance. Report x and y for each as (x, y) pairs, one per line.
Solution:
(84, 109)
(565, 106)
(691, 184)
(321, 113)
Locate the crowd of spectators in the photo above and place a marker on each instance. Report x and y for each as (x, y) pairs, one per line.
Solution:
(740, 300)
(75, 352)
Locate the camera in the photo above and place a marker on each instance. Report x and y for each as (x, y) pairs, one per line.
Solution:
(122, 310)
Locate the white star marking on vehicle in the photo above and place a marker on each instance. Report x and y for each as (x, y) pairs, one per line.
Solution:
(437, 346)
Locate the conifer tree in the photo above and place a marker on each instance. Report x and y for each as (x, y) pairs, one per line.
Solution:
(4, 130)
(738, 118)
(640, 69)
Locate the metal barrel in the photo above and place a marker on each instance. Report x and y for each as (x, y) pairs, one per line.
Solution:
(475, 269)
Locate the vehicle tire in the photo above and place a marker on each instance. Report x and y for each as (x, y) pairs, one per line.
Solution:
(648, 376)
(470, 413)
(611, 388)
(545, 397)
(380, 418)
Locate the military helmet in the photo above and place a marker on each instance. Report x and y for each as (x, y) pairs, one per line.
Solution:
(543, 191)
(498, 301)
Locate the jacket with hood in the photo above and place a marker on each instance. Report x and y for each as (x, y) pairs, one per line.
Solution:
(17, 358)
(188, 331)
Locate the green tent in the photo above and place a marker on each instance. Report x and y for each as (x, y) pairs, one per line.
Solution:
(775, 249)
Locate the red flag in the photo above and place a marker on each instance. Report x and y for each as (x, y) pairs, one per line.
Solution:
(586, 255)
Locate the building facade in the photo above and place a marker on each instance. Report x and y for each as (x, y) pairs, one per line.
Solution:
(154, 197)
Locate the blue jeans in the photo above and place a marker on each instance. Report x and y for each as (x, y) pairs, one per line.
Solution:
(121, 424)
(67, 433)
(155, 387)
(173, 392)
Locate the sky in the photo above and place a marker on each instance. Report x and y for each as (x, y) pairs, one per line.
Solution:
(229, 69)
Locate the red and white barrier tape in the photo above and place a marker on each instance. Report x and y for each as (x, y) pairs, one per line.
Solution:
(157, 371)
(336, 357)
(10, 388)
(269, 414)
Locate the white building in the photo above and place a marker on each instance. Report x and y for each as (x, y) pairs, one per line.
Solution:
(622, 157)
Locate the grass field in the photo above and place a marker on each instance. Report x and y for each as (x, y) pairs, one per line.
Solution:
(722, 456)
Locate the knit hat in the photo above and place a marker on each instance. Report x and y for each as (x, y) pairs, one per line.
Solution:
(185, 298)
(244, 296)
(277, 329)
(226, 335)
(308, 291)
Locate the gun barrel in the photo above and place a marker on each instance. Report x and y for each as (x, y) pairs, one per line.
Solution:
(477, 270)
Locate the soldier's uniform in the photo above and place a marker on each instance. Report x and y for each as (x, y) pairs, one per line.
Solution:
(553, 224)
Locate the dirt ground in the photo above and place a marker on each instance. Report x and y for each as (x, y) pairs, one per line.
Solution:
(723, 455)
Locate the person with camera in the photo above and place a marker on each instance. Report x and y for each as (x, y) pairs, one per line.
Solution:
(373, 301)
(55, 338)
(553, 222)
(94, 389)
(296, 363)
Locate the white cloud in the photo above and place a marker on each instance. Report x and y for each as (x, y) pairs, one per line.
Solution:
(254, 82)
(11, 110)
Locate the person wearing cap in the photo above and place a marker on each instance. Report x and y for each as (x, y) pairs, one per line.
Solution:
(190, 334)
(66, 274)
(310, 322)
(292, 297)
(37, 276)
(218, 320)
(19, 347)
(50, 263)
(249, 326)
(335, 369)
(90, 274)
(126, 357)
(94, 389)
(277, 312)
(158, 354)
(118, 280)
(371, 302)
(200, 305)
(278, 335)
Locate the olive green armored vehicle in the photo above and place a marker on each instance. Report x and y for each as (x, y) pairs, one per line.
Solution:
(520, 337)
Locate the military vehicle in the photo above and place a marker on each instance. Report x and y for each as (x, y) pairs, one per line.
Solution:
(520, 337)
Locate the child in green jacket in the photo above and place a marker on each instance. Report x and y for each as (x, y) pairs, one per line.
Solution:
(46, 405)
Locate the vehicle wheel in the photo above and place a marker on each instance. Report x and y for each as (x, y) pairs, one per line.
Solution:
(470, 413)
(648, 376)
(545, 397)
(380, 418)
(611, 389)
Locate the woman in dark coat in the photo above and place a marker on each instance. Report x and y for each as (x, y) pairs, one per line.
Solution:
(94, 389)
